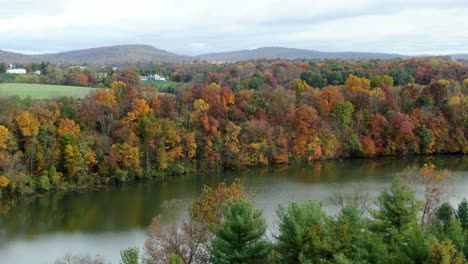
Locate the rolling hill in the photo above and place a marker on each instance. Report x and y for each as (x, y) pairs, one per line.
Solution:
(459, 56)
(290, 53)
(124, 54)
(102, 55)
(13, 57)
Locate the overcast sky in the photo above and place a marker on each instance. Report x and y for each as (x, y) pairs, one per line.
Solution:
(201, 26)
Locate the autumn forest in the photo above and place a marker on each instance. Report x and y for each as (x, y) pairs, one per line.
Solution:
(231, 116)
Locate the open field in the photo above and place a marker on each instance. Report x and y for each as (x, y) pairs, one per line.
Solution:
(158, 84)
(165, 86)
(38, 91)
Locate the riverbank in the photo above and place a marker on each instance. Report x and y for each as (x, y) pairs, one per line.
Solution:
(421, 159)
(104, 221)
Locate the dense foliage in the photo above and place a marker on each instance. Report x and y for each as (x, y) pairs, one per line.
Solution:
(240, 237)
(231, 116)
(393, 231)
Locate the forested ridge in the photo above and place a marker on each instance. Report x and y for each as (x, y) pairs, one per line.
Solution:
(232, 116)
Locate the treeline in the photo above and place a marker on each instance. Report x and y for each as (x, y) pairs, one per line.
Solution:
(75, 75)
(233, 116)
(225, 227)
(47, 73)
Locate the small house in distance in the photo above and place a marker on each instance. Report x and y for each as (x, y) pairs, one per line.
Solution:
(15, 71)
(154, 77)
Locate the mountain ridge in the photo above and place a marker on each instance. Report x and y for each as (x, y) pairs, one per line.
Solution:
(99, 55)
(292, 53)
(133, 53)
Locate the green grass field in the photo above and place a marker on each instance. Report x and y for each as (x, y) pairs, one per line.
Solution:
(40, 91)
(165, 86)
(158, 84)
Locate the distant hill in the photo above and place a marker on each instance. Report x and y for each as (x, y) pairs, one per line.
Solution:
(115, 54)
(459, 56)
(124, 54)
(289, 53)
(12, 57)
(103, 55)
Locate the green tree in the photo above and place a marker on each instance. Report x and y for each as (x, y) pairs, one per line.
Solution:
(355, 241)
(413, 246)
(334, 78)
(240, 237)
(424, 100)
(54, 74)
(313, 79)
(44, 181)
(129, 255)
(176, 259)
(401, 76)
(426, 139)
(3, 67)
(446, 226)
(462, 213)
(378, 80)
(397, 209)
(342, 114)
(305, 234)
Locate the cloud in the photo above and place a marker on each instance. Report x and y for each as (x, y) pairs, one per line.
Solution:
(193, 27)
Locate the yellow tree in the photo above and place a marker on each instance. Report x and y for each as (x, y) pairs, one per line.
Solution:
(106, 97)
(231, 143)
(28, 124)
(4, 181)
(355, 84)
(210, 206)
(298, 85)
(74, 161)
(358, 90)
(4, 135)
(68, 126)
(124, 160)
(29, 127)
(141, 107)
(190, 145)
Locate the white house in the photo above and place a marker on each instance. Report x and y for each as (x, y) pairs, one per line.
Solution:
(159, 78)
(16, 71)
(151, 76)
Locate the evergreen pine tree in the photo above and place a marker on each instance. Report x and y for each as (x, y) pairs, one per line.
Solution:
(397, 209)
(305, 234)
(462, 214)
(240, 236)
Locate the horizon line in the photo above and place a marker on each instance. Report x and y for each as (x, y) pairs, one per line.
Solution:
(416, 54)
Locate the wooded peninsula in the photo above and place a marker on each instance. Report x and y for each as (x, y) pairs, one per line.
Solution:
(216, 116)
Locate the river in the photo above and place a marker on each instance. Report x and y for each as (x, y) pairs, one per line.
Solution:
(102, 222)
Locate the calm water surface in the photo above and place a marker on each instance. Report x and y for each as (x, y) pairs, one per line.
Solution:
(105, 221)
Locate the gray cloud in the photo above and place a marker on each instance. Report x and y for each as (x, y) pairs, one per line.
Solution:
(194, 27)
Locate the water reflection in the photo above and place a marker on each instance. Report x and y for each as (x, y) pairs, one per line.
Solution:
(126, 208)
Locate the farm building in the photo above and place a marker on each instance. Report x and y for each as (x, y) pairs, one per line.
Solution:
(16, 71)
(155, 77)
